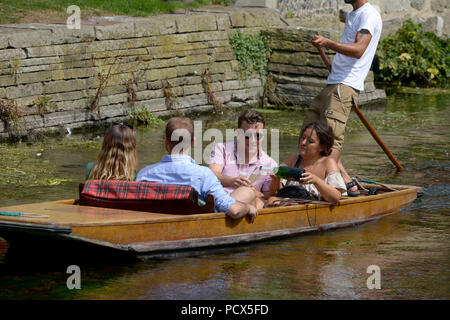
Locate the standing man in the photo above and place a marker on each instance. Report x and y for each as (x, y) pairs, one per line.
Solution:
(351, 64)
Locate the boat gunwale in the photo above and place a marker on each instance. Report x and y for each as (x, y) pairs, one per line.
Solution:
(171, 218)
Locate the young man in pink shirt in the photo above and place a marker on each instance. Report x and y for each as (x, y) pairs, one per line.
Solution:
(235, 162)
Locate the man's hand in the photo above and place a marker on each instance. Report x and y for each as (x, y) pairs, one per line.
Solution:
(241, 182)
(319, 41)
(252, 213)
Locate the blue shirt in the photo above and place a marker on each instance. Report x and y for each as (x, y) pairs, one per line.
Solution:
(181, 169)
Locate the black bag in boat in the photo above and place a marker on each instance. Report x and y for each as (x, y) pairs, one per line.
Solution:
(295, 192)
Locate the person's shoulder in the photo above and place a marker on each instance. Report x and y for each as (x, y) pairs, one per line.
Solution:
(291, 159)
(370, 12)
(329, 163)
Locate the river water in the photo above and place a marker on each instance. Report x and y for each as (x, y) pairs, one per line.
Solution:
(410, 247)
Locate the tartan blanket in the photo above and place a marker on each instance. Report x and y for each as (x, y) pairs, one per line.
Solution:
(137, 190)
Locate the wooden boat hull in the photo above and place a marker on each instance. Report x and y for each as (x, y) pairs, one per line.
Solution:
(146, 234)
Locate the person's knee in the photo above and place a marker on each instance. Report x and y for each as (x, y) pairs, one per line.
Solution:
(244, 194)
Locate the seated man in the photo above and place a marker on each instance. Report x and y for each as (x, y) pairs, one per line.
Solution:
(179, 168)
(234, 167)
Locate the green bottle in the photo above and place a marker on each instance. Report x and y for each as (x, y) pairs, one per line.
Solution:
(284, 172)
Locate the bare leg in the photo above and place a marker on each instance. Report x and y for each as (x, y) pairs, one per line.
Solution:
(336, 155)
(246, 195)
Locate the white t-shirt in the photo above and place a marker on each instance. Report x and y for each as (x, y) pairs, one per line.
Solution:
(352, 71)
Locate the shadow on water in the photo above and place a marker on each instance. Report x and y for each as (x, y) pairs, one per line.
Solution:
(411, 247)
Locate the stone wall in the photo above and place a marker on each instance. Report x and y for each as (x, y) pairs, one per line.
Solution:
(434, 15)
(60, 78)
(296, 71)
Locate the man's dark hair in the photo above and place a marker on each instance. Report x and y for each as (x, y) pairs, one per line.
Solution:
(251, 117)
(178, 123)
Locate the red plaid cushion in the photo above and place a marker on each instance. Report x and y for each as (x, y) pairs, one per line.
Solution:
(136, 190)
(142, 196)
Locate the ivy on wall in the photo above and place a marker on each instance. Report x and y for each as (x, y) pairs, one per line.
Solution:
(252, 52)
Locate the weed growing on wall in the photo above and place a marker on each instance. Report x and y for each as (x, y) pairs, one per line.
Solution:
(413, 57)
(145, 117)
(44, 104)
(252, 52)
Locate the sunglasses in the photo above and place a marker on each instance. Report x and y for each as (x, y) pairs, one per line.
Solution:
(258, 135)
(123, 124)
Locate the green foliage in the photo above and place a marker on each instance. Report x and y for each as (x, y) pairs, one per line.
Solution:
(413, 57)
(145, 117)
(45, 104)
(252, 52)
(11, 11)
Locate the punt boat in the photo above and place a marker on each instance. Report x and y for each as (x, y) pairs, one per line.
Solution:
(66, 227)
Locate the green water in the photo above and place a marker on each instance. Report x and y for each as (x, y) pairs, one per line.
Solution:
(411, 247)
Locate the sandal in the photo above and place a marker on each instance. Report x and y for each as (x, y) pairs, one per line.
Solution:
(350, 185)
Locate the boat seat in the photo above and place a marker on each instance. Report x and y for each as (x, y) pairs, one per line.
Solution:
(143, 196)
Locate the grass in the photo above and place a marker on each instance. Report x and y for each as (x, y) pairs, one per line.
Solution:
(12, 11)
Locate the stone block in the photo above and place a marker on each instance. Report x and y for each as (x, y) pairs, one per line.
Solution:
(158, 74)
(395, 6)
(123, 30)
(73, 104)
(65, 96)
(149, 94)
(432, 24)
(296, 34)
(207, 36)
(237, 19)
(11, 54)
(2, 93)
(113, 99)
(33, 89)
(30, 38)
(439, 5)
(223, 21)
(156, 25)
(186, 81)
(34, 77)
(195, 59)
(418, 4)
(297, 58)
(192, 101)
(62, 35)
(4, 40)
(220, 67)
(303, 70)
(286, 45)
(7, 80)
(195, 23)
(152, 105)
(192, 70)
(193, 89)
(64, 86)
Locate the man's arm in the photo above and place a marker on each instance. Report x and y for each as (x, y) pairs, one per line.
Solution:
(355, 49)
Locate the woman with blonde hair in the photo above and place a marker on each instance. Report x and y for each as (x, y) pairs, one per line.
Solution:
(117, 159)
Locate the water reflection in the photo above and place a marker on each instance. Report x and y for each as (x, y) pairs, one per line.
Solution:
(411, 247)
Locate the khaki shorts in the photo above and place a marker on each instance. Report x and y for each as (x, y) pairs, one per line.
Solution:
(333, 105)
